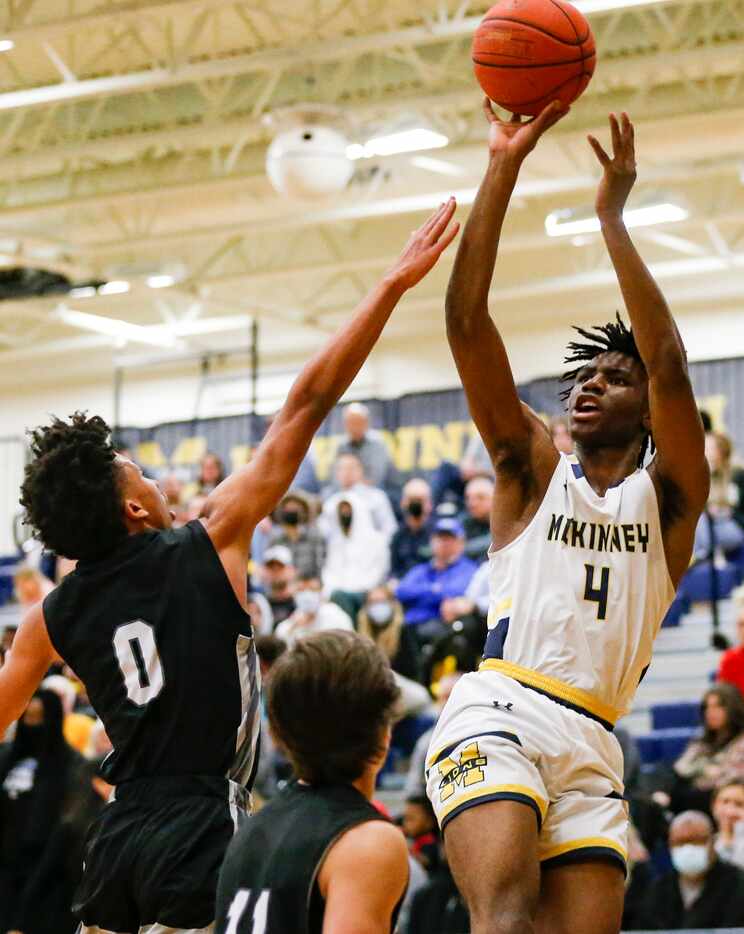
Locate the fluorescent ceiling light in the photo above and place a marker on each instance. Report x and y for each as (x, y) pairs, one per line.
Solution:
(564, 223)
(83, 291)
(120, 331)
(602, 6)
(6, 45)
(115, 287)
(438, 166)
(390, 144)
(160, 281)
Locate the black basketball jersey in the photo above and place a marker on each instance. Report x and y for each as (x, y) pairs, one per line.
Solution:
(156, 633)
(268, 882)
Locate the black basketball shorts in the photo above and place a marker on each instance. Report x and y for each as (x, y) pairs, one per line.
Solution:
(154, 853)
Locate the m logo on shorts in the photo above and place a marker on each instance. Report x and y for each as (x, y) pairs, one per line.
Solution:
(468, 771)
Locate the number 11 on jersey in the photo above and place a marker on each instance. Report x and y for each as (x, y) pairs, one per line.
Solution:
(237, 909)
(596, 594)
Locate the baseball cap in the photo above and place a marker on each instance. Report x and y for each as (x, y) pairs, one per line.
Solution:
(279, 553)
(448, 525)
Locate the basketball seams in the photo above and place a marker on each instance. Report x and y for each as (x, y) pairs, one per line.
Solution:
(567, 61)
(545, 32)
(515, 105)
(570, 20)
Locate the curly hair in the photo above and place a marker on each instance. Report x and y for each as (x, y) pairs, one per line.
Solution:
(613, 337)
(70, 491)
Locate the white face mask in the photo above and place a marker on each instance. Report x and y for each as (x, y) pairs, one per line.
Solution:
(690, 859)
(307, 601)
(380, 613)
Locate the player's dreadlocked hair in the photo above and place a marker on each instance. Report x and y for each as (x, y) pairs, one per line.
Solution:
(71, 489)
(603, 338)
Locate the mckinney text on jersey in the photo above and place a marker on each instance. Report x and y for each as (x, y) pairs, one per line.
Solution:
(599, 536)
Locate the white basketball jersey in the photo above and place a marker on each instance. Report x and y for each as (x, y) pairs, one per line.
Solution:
(578, 597)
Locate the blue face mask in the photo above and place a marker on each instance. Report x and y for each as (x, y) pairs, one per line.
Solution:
(691, 859)
(307, 601)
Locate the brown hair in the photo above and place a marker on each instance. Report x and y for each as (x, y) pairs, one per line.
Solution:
(330, 701)
(731, 783)
(733, 703)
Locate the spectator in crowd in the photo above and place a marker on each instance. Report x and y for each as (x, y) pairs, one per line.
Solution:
(39, 776)
(427, 585)
(638, 878)
(439, 907)
(172, 488)
(271, 762)
(731, 666)
(30, 586)
(720, 528)
(381, 620)
(631, 761)
(211, 473)
(415, 779)
(476, 461)
(269, 649)
(702, 891)
(477, 519)
(410, 543)
(279, 577)
(306, 478)
(350, 478)
(48, 895)
(728, 813)
(293, 527)
(76, 727)
(313, 613)
(718, 756)
(357, 557)
(99, 744)
(420, 828)
(259, 610)
(558, 425)
(367, 445)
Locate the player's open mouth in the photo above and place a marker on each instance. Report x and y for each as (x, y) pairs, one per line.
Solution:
(586, 408)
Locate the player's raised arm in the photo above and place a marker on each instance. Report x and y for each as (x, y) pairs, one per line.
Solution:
(676, 428)
(476, 344)
(233, 509)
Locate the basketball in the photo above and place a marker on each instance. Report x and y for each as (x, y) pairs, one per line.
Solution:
(527, 53)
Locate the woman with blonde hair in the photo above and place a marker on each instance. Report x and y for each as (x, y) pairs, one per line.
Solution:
(381, 620)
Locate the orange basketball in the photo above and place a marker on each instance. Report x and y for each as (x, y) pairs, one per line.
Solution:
(527, 53)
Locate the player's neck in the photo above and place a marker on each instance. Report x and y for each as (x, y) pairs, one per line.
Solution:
(366, 783)
(605, 466)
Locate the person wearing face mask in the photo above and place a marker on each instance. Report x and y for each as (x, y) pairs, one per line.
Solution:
(39, 777)
(381, 620)
(357, 557)
(278, 577)
(313, 614)
(702, 890)
(410, 544)
(293, 528)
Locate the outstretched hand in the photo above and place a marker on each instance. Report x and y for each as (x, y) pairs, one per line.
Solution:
(619, 171)
(425, 246)
(515, 138)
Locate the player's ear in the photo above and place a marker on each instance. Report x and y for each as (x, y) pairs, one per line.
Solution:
(134, 511)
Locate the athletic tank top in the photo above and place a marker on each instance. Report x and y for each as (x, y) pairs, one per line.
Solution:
(269, 880)
(165, 650)
(578, 597)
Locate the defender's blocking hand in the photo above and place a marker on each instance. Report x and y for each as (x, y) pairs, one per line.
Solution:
(425, 246)
(619, 171)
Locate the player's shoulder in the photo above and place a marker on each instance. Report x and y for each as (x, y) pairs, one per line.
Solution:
(374, 843)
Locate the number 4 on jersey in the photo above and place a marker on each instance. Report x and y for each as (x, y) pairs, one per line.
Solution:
(599, 594)
(237, 909)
